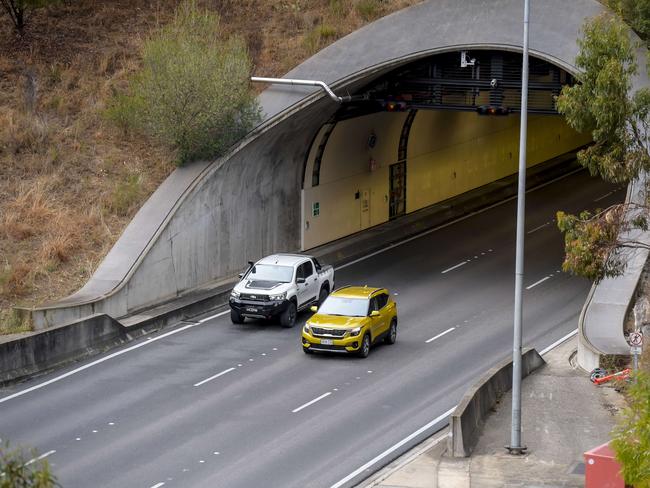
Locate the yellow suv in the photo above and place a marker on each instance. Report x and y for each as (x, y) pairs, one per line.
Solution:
(351, 320)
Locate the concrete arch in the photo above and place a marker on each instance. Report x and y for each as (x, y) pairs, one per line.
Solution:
(206, 220)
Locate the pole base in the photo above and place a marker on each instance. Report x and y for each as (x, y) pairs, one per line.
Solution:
(516, 451)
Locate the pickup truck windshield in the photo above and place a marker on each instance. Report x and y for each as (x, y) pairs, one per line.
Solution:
(350, 307)
(271, 272)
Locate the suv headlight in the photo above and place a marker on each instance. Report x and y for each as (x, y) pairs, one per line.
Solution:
(279, 297)
(234, 294)
(307, 329)
(355, 332)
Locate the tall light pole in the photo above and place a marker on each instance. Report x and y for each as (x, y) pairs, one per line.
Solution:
(515, 446)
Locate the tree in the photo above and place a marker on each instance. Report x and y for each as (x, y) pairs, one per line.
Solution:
(16, 471)
(631, 437)
(18, 10)
(601, 103)
(636, 14)
(193, 92)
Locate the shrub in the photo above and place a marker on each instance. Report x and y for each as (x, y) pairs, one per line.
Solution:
(369, 9)
(193, 92)
(631, 440)
(18, 471)
(125, 195)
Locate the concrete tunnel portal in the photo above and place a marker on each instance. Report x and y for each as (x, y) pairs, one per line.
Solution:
(425, 132)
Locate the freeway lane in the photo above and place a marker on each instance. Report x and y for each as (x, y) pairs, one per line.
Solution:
(219, 405)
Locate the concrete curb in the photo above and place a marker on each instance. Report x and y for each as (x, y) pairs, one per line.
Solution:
(467, 421)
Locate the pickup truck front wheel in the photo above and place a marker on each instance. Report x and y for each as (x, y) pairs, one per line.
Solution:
(288, 317)
(236, 317)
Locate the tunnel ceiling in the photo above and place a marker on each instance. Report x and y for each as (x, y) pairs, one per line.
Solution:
(483, 81)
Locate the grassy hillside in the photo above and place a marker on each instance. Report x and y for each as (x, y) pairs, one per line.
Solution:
(69, 180)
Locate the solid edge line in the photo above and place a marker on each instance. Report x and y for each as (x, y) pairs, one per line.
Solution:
(386, 472)
(158, 485)
(538, 283)
(393, 448)
(214, 377)
(459, 219)
(440, 335)
(150, 340)
(312, 402)
(558, 342)
(213, 316)
(454, 267)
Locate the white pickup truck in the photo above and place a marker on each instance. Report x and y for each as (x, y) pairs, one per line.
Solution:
(280, 285)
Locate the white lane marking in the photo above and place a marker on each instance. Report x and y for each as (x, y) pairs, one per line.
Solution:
(538, 228)
(150, 340)
(603, 196)
(393, 448)
(460, 219)
(312, 402)
(427, 426)
(454, 267)
(558, 342)
(538, 283)
(214, 377)
(158, 485)
(213, 316)
(440, 335)
(42, 456)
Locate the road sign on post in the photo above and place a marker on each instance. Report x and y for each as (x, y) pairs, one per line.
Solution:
(636, 339)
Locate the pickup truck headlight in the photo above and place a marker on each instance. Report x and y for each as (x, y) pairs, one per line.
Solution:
(234, 294)
(355, 332)
(279, 297)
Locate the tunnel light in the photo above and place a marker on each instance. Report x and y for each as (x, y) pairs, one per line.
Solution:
(492, 110)
(394, 106)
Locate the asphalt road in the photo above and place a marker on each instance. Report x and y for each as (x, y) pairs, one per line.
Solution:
(211, 404)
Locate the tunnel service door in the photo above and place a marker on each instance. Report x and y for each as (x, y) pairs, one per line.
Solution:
(397, 175)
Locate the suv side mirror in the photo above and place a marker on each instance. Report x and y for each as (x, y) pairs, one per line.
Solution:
(300, 280)
(374, 313)
(241, 275)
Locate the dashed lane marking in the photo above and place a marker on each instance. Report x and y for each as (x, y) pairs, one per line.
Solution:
(539, 282)
(42, 456)
(214, 376)
(324, 395)
(440, 335)
(454, 267)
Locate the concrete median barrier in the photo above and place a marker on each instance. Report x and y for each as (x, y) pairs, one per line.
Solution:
(466, 423)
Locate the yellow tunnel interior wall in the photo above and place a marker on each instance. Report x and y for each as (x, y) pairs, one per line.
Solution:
(448, 153)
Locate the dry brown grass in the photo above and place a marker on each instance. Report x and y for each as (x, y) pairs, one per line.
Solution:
(69, 181)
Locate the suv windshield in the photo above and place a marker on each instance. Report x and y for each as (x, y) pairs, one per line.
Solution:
(271, 272)
(350, 307)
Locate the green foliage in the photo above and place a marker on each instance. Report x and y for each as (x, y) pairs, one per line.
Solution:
(600, 103)
(368, 9)
(589, 243)
(16, 471)
(636, 13)
(631, 438)
(126, 194)
(18, 10)
(318, 36)
(193, 92)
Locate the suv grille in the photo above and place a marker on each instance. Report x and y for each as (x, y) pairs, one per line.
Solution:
(322, 331)
(254, 298)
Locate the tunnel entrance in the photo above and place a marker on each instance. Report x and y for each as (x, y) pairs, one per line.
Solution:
(426, 132)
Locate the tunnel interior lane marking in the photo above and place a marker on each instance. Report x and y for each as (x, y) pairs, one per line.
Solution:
(440, 335)
(214, 376)
(324, 395)
(149, 340)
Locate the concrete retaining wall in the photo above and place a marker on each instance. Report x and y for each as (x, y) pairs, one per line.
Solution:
(468, 419)
(39, 352)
